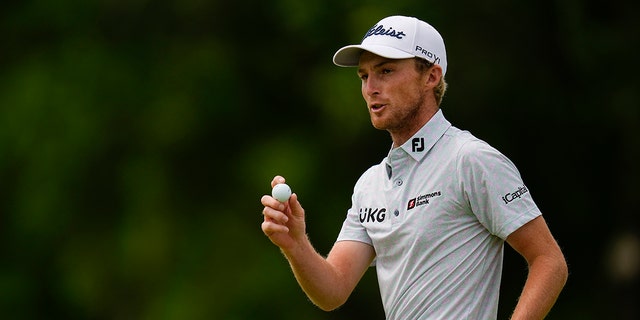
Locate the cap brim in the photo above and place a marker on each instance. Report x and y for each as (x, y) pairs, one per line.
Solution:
(349, 56)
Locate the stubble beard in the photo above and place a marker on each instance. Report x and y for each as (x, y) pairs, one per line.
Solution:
(404, 120)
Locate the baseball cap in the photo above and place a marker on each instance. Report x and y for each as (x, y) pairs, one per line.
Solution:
(397, 37)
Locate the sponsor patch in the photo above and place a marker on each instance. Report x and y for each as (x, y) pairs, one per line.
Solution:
(511, 196)
(422, 200)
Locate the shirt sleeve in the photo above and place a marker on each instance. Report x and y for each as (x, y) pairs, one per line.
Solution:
(352, 228)
(494, 188)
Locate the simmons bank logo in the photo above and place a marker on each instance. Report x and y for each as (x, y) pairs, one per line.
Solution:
(422, 199)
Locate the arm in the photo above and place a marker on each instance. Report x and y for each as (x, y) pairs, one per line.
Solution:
(327, 282)
(547, 269)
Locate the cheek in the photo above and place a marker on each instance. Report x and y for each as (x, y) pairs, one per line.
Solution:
(406, 92)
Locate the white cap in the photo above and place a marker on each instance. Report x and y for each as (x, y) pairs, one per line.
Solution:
(397, 37)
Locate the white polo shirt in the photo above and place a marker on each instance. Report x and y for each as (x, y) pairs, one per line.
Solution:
(437, 210)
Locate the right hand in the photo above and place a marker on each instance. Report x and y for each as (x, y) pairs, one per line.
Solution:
(283, 223)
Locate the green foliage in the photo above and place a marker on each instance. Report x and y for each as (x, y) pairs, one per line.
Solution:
(137, 137)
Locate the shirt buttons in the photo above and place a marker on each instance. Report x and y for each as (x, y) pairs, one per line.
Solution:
(398, 182)
(396, 213)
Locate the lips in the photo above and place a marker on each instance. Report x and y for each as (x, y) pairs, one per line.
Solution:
(377, 107)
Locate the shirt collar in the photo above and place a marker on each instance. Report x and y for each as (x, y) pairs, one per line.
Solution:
(421, 142)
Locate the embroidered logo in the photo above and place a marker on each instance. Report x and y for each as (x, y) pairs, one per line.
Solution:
(509, 197)
(422, 199)
(428, 54)
(372, 214)
(417, 144)
(379, 30)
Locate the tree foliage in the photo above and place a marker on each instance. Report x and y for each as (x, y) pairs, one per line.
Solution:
(137, 137)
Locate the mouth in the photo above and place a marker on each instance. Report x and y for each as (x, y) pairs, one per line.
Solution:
(377, 107)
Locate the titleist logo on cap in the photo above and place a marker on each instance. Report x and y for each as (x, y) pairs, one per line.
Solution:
(379, 30)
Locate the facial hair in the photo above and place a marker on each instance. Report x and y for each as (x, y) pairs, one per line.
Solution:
(407, 119)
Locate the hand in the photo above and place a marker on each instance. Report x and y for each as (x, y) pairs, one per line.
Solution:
(283, 223)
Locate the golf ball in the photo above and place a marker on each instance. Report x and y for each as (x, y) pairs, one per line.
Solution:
(281, 192)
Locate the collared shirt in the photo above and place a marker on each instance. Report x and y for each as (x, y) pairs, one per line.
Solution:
(437, 211)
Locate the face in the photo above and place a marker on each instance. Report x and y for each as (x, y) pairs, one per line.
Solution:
(395, 94)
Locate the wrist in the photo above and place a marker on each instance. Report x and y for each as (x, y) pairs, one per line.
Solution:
(299, 249)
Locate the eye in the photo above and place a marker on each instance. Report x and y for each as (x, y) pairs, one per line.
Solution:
(363, 77)
(386, 71)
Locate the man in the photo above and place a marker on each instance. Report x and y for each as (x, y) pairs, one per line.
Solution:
(433, 216)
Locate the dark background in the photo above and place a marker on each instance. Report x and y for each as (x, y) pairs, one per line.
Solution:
(137, 137)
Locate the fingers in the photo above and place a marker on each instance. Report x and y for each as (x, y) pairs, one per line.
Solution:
(269, 201)
(269, 228)
(275, 219)
(283, 222)
(295, 206)
(274, 210)
(277, 180)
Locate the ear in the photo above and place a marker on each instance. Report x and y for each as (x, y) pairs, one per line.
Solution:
(433, 77)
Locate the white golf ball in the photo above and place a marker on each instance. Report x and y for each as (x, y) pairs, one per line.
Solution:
(281, 192)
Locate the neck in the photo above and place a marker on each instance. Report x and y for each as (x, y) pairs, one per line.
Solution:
(402, 135)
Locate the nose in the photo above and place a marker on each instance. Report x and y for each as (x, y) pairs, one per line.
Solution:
(370, 87)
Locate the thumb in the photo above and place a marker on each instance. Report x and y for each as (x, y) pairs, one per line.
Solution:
(295, 206)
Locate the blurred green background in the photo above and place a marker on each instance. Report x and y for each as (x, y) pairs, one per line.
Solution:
(137, 137)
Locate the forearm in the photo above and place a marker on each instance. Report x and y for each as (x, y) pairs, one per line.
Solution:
(317, 277)
(327, 282)
(546, 278)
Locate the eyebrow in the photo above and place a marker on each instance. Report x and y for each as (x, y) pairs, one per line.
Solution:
(378, 65)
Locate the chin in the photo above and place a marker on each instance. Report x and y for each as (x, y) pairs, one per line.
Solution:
(381, 124)
(378, 125)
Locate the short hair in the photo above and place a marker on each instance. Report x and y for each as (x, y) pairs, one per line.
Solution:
(423, 65)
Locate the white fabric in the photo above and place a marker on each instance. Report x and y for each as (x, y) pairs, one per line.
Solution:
(397, 37)
(438, 223)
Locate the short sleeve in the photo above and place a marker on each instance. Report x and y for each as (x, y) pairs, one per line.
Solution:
(494, 188)
(352, 228)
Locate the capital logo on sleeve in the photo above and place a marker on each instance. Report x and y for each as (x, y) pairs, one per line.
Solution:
(509, 197)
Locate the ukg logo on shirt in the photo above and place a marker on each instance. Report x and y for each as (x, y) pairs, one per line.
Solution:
(372, 214)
